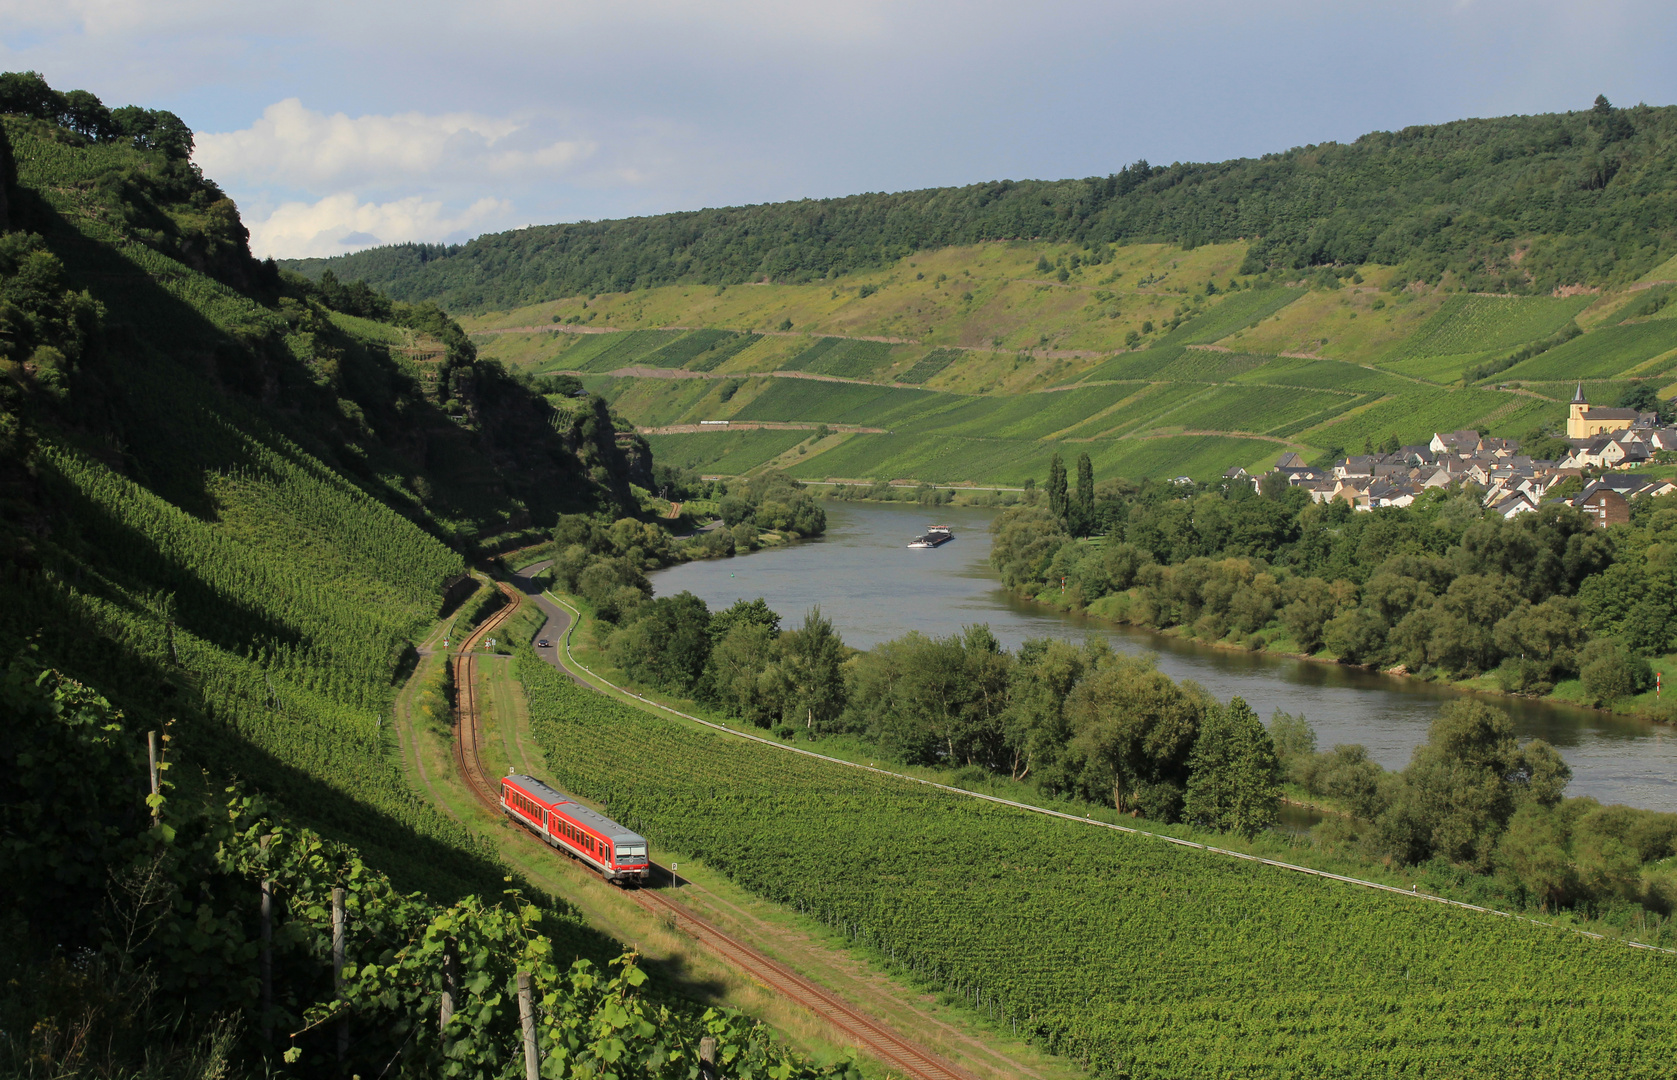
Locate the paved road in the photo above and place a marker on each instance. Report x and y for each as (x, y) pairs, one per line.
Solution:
(558, 619)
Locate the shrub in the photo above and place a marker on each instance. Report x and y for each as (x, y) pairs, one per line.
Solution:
(1611, 671)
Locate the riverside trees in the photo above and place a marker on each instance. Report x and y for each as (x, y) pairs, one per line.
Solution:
(1438, 587)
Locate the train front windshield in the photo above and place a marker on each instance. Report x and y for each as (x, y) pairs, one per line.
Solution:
(630, 853)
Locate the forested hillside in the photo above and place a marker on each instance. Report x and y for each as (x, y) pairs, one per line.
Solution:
(233, 505)
(1521, 204)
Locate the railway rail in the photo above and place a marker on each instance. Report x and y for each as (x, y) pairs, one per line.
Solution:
(879, 1041)
(873, 1038)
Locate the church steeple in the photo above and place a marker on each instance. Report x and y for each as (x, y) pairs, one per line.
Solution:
(1576, 425)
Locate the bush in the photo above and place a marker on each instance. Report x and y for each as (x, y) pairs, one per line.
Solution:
(1610, 671)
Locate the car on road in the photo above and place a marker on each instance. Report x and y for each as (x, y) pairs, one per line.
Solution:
(542, 644)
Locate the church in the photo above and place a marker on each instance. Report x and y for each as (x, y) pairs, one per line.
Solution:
(1583, 422)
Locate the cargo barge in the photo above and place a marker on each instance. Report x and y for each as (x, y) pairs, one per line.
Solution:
(934, 536)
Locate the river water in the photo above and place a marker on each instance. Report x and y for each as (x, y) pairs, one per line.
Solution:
(873, 588)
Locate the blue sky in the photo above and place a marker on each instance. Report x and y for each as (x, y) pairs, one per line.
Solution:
(339, 125)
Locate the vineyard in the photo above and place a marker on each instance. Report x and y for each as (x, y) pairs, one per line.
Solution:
(1021, 416)
(1412, 418)
(1480, 324)
(927, 367)
(727, 452)
(1259, 408)
(1236, 311)
(1138, 959)
(844, 357)
(1388, 372)
(1603, 353)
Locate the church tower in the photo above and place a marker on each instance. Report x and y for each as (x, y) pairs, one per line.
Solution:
(1575, 426)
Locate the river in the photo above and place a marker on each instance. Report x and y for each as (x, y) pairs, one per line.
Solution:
(873, 588)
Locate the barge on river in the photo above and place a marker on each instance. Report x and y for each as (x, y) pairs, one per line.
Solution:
(934, 536)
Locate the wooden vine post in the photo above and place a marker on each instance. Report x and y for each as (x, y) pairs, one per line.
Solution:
(707, 1058)
(267, 958)
(451, 985)
(338, 968)
(527, 1018)
(151, 747)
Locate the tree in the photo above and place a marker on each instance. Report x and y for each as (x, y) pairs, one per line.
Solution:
(936, 699)
(1057, 504)
(25, 93)
(1035, 729)
(813, 654)
(1082, 507)
(1294, 741)
(1460, 789)
(1234, 779)
(1133, 729)
(85, 114)
(1025, 540)
(1312, 604)
(1644, 397)
(667, 644)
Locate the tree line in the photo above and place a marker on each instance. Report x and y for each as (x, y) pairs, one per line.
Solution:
(1440, 587)
(1086, 723)
(25, 93)
(1590, 186)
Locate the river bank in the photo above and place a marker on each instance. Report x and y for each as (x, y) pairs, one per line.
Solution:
(1648, 707)
(873, 589)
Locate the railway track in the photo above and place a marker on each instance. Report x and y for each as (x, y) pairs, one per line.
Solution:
(873, 1038)
(468, 733)
(879, 1041)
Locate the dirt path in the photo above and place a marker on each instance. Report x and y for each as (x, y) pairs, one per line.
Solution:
(759, 425)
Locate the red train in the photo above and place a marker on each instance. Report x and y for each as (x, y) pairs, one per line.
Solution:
(618, 854)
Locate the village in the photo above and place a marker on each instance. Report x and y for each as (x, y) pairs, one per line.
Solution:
(1592, 476)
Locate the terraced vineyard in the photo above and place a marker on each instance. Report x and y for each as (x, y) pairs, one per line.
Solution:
(1139, 959)
(1481, 324)
(1237, 312)
(1612, 350)
(1147, 346)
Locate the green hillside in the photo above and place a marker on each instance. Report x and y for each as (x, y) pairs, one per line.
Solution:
(977, 363)
(233, 507)
(1523, 203)
(1316, 301)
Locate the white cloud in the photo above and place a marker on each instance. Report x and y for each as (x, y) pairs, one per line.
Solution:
(342, 222)
(295, 146)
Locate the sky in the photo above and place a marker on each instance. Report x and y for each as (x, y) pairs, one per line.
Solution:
(342, 125)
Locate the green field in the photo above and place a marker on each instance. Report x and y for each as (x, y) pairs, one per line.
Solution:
(843, 357)
(1141, 959)
(929, 365)
(1609, 351)
(1236, 311)
(1478, 324)
(726, 452)
(1259, 409)
(1413, 418)
(1438, 369)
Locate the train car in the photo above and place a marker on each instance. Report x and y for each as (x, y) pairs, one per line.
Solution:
(617, 853)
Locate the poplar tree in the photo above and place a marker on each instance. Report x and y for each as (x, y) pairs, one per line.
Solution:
(1082, 516)
(1057, 503)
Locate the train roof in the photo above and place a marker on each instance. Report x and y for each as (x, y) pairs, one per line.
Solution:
(576, 811)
